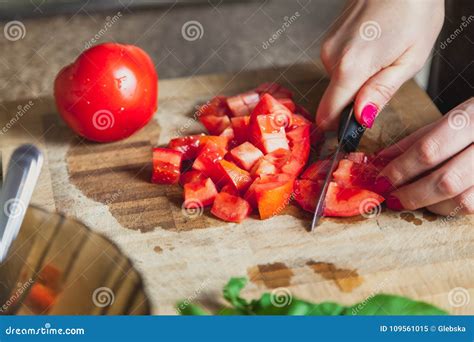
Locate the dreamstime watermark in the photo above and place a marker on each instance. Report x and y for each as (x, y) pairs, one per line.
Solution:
(103, 296)
(458, 119)
(458, 297)
(14, 208)
(103, 119)
(109, 22)
(464, 24)
(370, 30)
(370, 208)
(14, 30)
(111, 198)
(456, 210)
(281, 30)
(21, 110)
(281, 297)
(192, 208)
(190, 299)
(192, 30)
(21, 288)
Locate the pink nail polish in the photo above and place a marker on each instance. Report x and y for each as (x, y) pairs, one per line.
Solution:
(383, 185)
(368, 114)
(394, 203)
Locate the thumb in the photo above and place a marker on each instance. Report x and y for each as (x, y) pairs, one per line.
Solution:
(377, 91)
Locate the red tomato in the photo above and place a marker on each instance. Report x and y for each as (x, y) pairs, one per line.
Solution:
(230, 208)
(246, 155)
(166, 165)
(234, 175)
(199, 194)
(108, 93)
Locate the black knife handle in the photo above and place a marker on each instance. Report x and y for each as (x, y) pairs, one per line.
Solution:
(355, 131)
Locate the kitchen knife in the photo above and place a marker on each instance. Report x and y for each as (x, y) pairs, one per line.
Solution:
(22, 174)
(348, 135)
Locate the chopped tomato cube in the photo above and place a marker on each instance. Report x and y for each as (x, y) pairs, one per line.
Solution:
(240, 126)
(166, 165)
(273, 196)
(208, 158)
(234, 175)
(191, 176)
(188, 145)
(269, 105)
(228, 133)
(230, 189)
(215, 124)
(246, 155)
(230, 208)
(199, 194)
(268, 134)
(243, 104)
(220, 141)
(263, 166)
(216, 106)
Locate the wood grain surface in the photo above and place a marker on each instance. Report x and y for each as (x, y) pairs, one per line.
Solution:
(183, 256)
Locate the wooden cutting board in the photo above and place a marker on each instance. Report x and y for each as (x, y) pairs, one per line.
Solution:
(180, 257)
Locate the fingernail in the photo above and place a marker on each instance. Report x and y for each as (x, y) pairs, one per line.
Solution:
(368, 115)
(394, 203)
(383, 185)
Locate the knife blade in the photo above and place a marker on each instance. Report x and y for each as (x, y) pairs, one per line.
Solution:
(349, 134)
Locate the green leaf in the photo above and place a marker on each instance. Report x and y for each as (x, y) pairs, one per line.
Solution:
(384, 304)
(232, 293)
(293, 307)
(187, 309)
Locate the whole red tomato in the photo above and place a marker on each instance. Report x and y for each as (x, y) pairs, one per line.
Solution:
(108, 93)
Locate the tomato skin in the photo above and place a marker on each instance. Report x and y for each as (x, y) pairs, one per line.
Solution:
(108, 93)
(230, 208)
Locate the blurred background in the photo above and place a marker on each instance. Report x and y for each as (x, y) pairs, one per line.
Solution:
(183, 37)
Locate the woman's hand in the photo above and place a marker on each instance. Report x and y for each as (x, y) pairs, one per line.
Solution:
(372, 49)
(434, 167)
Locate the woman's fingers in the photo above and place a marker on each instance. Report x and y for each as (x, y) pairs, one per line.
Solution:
(450, 180)
(378, 90)
(401, 146)
(462, 204)
(435, 147)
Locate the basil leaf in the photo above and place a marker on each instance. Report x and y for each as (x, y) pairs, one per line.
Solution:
(187, 309)
(389, 305)
(232, 293)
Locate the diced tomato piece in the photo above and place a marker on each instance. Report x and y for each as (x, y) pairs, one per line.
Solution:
(216, 106)
(344, 202)
(317, 170)
(306, 192)
(191, 176)
(267, 134)
(208, 158)
(166, 165)
(246, 155)
(300, 147)
(297, 121)
(188, 145)
(199, 194)
(237, 106)
(230, 189)
(357, 157)
(230, 208)
(218, 140)
(263, 166)
(40, 298)
(269, 105)
(240, 126)
(234, 175)
(215, 124)
(288, 103)
(273, 197)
